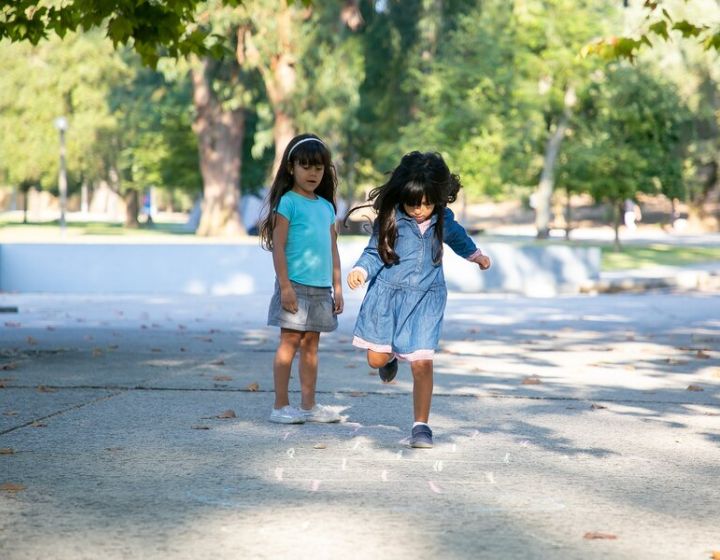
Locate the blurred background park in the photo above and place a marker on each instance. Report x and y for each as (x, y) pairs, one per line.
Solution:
(557, 114)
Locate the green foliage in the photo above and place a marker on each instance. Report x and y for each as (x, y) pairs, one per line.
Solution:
(696, 20)
(156, 144)
(153, 29)
(495, 88)
(626, 138)
(41, 83)
(122, 118)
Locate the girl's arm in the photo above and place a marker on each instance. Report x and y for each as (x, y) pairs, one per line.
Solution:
(370, 262)
(460, 242)
(336, 274)
(288, 299)
(456, 236)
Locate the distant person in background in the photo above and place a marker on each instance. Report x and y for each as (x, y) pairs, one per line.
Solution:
(632, 214)
(251, 207)
(147, 208)
(299, 229)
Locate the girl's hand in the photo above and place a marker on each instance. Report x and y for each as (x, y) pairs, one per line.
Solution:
(355, 279)
(484, 262)
(288, 299)
(339, 303)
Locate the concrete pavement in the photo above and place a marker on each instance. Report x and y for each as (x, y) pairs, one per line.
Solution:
(568, 427)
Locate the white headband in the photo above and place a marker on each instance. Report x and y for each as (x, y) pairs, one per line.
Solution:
(304, 140)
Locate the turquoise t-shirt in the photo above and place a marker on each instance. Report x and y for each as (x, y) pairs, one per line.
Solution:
(309, 245)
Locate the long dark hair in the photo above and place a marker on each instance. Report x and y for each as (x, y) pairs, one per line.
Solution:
(418, 175)
(306, 153)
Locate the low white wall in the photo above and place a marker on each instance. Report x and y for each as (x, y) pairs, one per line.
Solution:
(224, 269)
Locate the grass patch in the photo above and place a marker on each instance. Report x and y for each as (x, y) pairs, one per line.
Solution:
(657, 254)
(80, 228)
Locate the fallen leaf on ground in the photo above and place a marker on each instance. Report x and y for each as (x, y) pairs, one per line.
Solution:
(10, 413)
(37, 424)
(222, 378)
(227, 414)
(11, 487)
(358, 394)
(319, 446)
(218, 363)
(97, 352)
(597, 406)
(255, 386)
(44, 389)
(595, 535)
(532, 380)
(702, 355)
(7, 451)
(695, 388)
(200, 427)
(8, 367)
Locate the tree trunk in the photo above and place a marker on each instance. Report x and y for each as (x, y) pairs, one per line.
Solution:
(280, 77)
(132, 209)
(220, 134)
(568, 214)
(617, 206)
(543, 201)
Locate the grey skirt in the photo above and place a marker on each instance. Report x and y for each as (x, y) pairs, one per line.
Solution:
(315, 310)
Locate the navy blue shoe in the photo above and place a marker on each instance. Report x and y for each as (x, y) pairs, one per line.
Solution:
(421, 437)
(389, 371)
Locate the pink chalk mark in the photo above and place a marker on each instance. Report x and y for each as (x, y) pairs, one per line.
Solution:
(315, 485)
(434, 487)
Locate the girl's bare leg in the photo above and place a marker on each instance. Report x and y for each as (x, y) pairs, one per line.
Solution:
(284, 355)
(308, 367)
(378, 359)
(422, 371)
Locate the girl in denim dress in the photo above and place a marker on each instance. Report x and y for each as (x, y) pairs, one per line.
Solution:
(402, 313)
(299, 229)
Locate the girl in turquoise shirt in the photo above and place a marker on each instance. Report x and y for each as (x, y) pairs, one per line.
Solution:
(299, 229)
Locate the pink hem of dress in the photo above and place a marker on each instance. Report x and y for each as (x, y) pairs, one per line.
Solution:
(387, 349)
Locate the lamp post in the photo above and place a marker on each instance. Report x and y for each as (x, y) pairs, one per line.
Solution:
(61, 124)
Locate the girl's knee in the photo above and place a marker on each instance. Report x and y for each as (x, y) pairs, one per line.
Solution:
(421, 368)
(291, 339)
(310, 341)
(377, 359)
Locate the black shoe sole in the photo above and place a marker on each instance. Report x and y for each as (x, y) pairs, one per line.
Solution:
(388, 371)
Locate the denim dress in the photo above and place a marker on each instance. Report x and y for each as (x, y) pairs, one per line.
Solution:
(405, 301)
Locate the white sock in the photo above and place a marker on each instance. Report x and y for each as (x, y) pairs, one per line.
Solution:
(420, 424)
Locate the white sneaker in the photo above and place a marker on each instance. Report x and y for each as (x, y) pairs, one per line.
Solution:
(320, 413)
(287, 415)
